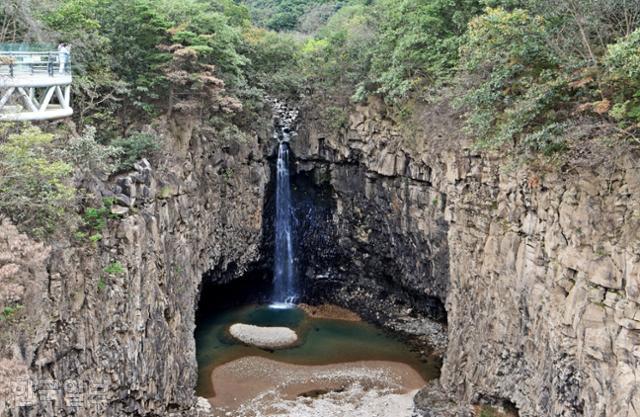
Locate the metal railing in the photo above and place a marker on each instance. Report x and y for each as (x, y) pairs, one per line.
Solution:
(14, 63)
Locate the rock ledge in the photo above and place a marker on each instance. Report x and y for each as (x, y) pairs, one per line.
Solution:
(264, 337)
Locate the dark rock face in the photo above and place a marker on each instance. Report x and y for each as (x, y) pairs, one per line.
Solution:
(390, 241)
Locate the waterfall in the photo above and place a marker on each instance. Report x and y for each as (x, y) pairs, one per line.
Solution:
(285, 291)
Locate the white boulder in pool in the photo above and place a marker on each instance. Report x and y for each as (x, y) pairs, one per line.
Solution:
(264, 337)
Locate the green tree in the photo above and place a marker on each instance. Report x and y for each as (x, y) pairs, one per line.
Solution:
(418, 40)
(623, 78)
(274, 61)
(35, 189)
(135, 28)
(90, 157)
(96, 87)
(510, 77)
(340, 56)
(280, 15)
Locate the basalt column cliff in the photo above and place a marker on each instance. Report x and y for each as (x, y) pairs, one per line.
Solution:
(112, 323)
(538, 267)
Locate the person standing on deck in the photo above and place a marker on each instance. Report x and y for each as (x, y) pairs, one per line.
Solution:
(63, 56)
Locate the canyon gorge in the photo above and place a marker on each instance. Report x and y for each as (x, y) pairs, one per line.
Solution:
(525, 279)
(319, 208)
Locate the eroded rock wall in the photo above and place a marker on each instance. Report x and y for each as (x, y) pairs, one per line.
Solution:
(99, 339)
(539, 267)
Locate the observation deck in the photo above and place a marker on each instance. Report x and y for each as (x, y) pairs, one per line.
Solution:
(35, 86)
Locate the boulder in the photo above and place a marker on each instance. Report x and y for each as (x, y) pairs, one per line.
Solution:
(264, 337)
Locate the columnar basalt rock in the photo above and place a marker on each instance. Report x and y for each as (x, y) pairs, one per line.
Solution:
(107, 329)
(539, 268)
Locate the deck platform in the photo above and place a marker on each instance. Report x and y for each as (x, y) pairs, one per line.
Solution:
(35, 86)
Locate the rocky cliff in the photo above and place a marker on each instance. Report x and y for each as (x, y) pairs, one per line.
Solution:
(538, 265)
(107, 328)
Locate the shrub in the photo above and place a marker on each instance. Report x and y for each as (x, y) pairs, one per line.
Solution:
(35, 189)
(418, 40)
(135, 147)
(274, 61)
(335, 117)
(102, 284)
(114, 268)
(623, 72)
(341, 55)
(94, 220)
(511, 78)
(89, 156)
(10, 311)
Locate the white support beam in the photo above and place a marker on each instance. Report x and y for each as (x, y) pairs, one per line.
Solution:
(6, 96)
(60, 95)
(67, 96)
(37, 116)
(27, 100)
(47, 98)
(33, 98)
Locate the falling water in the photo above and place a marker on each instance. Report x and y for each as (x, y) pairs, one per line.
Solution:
(285, 291)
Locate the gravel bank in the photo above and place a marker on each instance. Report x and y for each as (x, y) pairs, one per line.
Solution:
(255, 386)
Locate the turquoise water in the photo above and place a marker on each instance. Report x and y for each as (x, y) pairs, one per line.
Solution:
(322, 342)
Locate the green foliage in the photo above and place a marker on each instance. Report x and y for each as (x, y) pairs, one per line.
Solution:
(511, 78)
(335, 117)
(581, 29)
(418, 40)
(227, 174)
(134, 147)
(279, 15)
(623, 73)
(340, 56)
(516, 37)
(95, 238)
(94, 221)
(510, 63)
(9, 312)
(102, 284)
(165, 192)
(118, 61)
(316, 16)
(89, 156)
(389, 47)
(17, 20)
(135, 28)
(519, 66)
(274, 62)
(35, 186)
(488, 412)
(205, 28)
(114, 268)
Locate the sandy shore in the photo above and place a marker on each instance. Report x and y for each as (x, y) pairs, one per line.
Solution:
(329, 311)
(254, 386)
